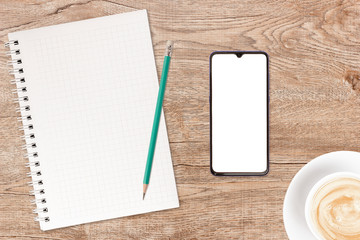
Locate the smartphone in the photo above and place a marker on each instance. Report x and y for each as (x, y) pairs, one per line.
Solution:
(239, 113)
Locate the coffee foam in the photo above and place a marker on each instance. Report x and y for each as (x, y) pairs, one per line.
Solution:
(335, 209)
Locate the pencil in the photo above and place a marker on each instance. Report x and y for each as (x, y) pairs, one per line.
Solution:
(155, 128)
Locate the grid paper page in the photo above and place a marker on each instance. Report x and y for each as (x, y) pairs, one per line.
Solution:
(92, 88)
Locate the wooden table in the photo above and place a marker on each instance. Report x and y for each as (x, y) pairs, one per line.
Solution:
(314, 49)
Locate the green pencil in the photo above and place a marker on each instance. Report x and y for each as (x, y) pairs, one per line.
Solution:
(155, 128)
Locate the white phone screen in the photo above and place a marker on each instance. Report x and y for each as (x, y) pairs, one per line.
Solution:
(239, 113)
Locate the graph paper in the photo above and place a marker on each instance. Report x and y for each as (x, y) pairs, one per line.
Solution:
(92, 88)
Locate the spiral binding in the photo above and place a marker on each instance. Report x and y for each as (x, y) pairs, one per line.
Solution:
(33, 164)
(19, 99)
(17, 80)
(38, 201)
(19, 90)
(23, 118)
(28, 136)
(12, 42)
(29, 145)
(15, 61)
(29, 155)
(28, 128)
(45, 219)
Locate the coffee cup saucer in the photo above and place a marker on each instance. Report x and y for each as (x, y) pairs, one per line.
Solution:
(299, 188)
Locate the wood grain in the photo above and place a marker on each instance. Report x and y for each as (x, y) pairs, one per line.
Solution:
(314, 49)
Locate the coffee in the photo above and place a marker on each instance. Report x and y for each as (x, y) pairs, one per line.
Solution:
(335, 209)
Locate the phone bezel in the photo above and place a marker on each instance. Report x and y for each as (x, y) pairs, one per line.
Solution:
(267, 115)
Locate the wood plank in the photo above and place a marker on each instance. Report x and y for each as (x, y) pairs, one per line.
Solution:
(314, 49)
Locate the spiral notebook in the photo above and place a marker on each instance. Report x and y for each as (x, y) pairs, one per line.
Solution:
(87, 92)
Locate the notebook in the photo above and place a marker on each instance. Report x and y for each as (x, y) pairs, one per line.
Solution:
(87, 92)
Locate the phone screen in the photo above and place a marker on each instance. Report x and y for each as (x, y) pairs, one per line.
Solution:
(239, 113)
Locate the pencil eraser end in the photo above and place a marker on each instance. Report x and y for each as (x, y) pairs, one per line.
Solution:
(169, 48)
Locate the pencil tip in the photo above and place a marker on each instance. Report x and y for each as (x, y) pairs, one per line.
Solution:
(144, 190)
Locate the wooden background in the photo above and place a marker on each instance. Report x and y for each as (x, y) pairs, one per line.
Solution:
(314, 49)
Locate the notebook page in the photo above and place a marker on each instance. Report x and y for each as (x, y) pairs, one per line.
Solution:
(92, 88)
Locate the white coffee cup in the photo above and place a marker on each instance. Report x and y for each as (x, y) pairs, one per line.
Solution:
(314, 190)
